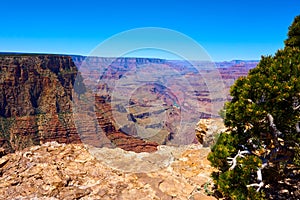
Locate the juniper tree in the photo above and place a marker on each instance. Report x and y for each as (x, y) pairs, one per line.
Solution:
(261, 146)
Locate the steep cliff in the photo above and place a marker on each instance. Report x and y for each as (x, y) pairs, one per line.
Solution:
(36, 106)
(35, 100)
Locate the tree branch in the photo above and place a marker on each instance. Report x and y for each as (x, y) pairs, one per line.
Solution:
(296, 108)
(259, 178)
(297, 127)
(259, 185)
(233, 161)
(272, 153)
(275, 131)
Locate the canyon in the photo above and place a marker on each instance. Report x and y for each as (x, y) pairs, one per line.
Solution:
(39, 94)
(159, 101)
(73, 127)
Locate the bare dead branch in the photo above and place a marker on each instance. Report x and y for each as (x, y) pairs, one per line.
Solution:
(266, 159)
(259, 185)
(275, 131)
(259, 178)
(297, 127)
(233, 161)
(296, 108)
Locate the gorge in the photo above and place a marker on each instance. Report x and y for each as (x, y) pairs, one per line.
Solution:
(36, 101)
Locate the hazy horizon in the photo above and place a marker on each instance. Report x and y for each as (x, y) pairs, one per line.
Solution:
(142, 57)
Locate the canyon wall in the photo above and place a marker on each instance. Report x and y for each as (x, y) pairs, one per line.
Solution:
(36, 106)
(35, 100)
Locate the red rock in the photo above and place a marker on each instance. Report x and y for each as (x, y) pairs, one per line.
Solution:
(35, 100)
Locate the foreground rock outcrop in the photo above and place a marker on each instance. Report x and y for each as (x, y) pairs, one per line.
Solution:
(69, 171)
(207, 130)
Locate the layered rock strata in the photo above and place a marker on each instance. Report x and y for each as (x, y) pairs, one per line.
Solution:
(35, 100)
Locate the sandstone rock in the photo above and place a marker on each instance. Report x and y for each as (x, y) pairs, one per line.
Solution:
(174, 187)
(200, 196)
(3, 161)
(207, 129)
(35, 100)
(2, 152)
(59, 171)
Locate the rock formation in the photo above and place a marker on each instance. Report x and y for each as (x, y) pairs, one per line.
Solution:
(60, 171)
(159, 100)
(36, 105)
(207, 130)
(35, 100)
(117, 137)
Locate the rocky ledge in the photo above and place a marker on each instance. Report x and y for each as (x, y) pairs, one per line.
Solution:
(69, 171)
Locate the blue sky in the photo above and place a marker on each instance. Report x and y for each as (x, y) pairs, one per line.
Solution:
(232, 29)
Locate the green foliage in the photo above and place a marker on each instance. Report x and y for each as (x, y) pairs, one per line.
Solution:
(222, 113)
(232, 183)
(294, 34)
(207, 190)
(224, 148)
(273, 87)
